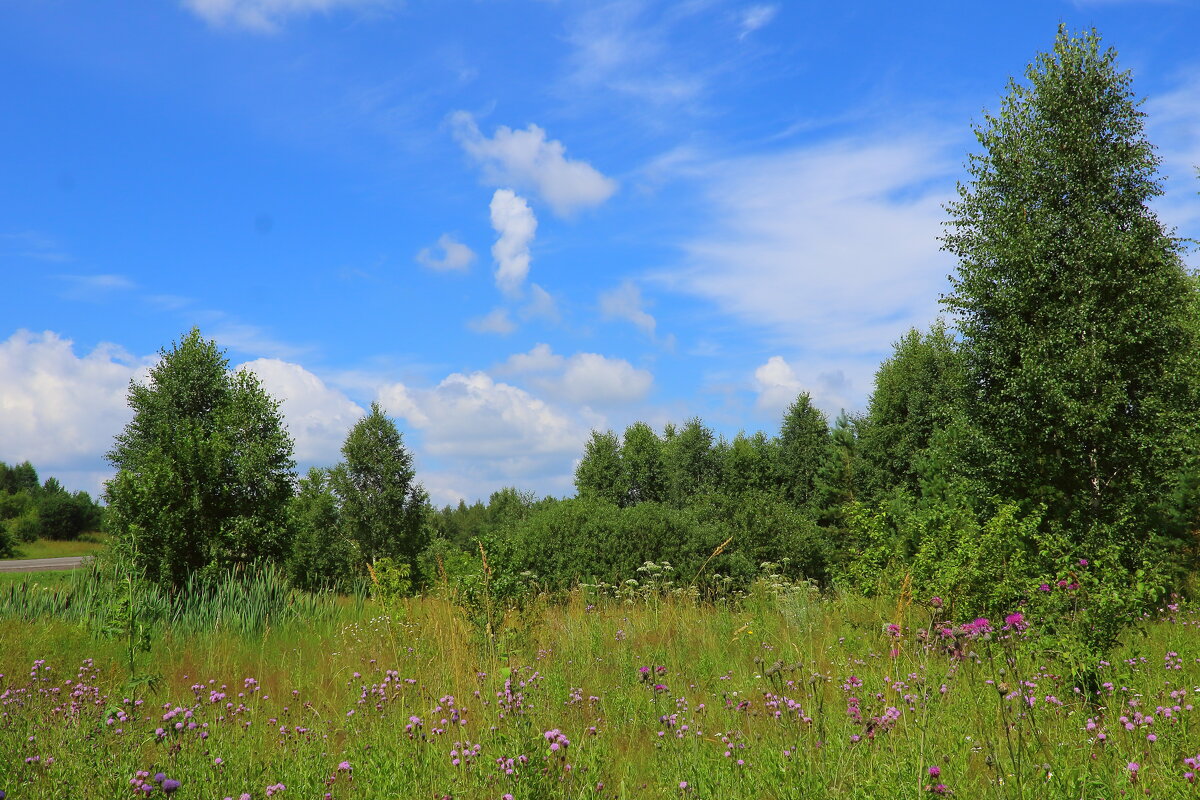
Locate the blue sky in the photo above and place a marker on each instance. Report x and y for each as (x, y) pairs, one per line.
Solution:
(508, 221)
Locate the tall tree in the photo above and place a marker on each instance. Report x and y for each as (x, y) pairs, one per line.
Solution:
(645, 469)
(1071, 299)
(749, 464)
(204, 468)
(803, 447)
(383, 508)
(917, 392)
(322, 557)
(692, 465)
(600, 474)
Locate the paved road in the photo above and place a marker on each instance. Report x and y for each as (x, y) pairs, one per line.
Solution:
(41, 564)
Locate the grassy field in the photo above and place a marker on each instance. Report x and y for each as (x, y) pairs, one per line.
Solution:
(89, 544)
(789, 697)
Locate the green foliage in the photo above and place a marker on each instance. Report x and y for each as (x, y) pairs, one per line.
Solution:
(803, 448)
(978, 569)
(8, 542)
(65, 516)
(322, 556)
(204, 468)
(748, 464)
(917, 392)
(29, 511)
(27, 527)
(383, 509)
(644, 465)
(1072, 300)
(391, 579)
(693, 466)
(600, 474)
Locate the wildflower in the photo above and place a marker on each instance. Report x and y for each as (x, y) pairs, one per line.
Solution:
(1133, 768)
(1016, 621)
(1083, 562)
(936, 602)
(170, 785)
(935, 771)
(159, 777)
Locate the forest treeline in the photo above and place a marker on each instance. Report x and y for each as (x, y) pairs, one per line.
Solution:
(1039, 451)
(31, 509)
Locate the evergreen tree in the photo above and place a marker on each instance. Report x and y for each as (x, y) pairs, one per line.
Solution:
(803, 446)
(1072, 300)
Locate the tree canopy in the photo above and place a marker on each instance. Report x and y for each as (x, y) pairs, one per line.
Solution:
(204, 468)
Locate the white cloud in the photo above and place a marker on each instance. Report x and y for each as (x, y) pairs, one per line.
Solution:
(525, 159)
(486, 434)
(756, 17)
(251, 339)
(587, 379)
(539, 359)
(495, 321)
(624, 48)
(777, 384)
(625, 302)
(265, 16)
(455, 256)
(59, 410)
(832, 249)
(513, 220)
(317, 416)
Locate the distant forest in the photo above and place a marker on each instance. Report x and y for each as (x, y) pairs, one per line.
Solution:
(32, 510)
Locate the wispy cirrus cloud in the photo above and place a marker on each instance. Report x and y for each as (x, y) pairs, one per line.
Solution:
(266, 16)
(755, 17)
(32, 245)
(831, 248)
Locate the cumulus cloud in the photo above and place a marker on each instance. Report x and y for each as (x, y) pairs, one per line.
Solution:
(527, 160)
(588, 379)
(60, 410)
(777, 384)
(265, 16)
(625, 302)
(454, 256)
(486, 434)
(317, 415)
(513, 220)
(495, 321)
(755, 17)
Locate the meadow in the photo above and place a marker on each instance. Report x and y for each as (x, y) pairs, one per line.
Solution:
(780, 692)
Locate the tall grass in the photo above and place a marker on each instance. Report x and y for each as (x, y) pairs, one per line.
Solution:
(779, 694)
